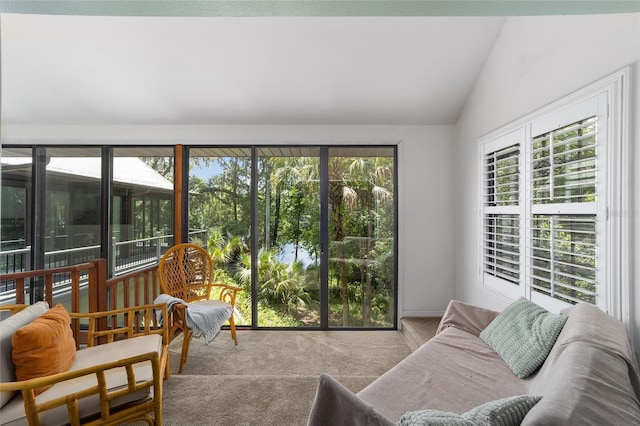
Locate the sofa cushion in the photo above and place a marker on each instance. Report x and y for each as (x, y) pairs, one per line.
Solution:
(7, 328)
(454, 371)
(13, 412)
(44, 347)
(523, 335)
(503, 412)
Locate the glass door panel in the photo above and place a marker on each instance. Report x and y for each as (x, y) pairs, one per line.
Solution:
(72, 205)
(142, 207)
(220, 216)
(289, 237)
(15, 204)
(361, 237)
(71, 211)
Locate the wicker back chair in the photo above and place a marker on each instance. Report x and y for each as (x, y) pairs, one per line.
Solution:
(186, 272)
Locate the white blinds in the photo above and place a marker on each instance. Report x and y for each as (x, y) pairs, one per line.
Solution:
(563, 257)
(502, 177)
(502, 246)
(564, 164)
(563, 245)
(501, 234)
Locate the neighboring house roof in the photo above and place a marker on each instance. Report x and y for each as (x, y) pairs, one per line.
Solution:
(126, 170)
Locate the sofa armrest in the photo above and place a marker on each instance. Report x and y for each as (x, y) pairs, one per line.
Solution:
(106, 396)
(463, 316)
(336, 405)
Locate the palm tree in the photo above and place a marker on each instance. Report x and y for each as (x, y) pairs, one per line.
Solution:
(280, 283)
(293, 174)
(225, 251)
(357, 184)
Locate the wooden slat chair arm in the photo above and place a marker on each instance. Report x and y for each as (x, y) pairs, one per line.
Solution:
(13, 309)
(104, 328)
(138, 411)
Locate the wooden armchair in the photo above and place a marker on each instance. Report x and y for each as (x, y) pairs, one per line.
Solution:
(186, 272)
(117, 378)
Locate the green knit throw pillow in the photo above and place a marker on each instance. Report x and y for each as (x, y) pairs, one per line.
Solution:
(523, 335)
(502, 412)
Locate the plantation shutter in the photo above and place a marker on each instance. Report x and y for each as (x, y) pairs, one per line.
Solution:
(500, 262)
(553, 202)
(565, 163)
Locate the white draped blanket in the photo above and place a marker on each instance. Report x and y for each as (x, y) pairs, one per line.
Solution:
(204, 317)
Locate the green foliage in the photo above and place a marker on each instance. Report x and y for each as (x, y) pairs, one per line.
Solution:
(224, 199)
(162, 165)
(273, 317)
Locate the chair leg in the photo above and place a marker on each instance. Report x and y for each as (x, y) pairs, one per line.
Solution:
(188, 334)
(167, 370)
(157, 410)
(232, 326)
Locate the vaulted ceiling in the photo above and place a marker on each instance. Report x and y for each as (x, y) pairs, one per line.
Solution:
(84, 69)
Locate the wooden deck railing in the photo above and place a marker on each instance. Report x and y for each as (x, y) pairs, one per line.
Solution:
(133, 289)
(136, 288)
(94, 273)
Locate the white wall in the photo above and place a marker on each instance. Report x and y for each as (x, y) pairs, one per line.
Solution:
(425, 177)
(535, 61)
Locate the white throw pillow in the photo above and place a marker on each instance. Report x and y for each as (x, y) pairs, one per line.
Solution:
(7, 328)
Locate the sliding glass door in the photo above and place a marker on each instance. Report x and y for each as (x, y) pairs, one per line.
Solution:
(361, 200)
(220, 216)
(289, 233)
(266, 215)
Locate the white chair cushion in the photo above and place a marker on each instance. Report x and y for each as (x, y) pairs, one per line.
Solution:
(13, 413)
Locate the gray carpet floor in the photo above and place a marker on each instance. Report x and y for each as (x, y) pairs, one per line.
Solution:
(270, 378)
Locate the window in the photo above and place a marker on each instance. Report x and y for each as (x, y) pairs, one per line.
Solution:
(141, 207)
(501, 213)
(564, 209)
(310, 232)
(548, 182)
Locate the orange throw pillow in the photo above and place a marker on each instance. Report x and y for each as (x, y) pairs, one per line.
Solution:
(44, 347)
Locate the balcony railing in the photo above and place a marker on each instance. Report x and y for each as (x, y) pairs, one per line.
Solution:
(127, 257)
(87, 290)
(132, 255)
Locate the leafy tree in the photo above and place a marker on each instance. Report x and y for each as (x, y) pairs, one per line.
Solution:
(224, 200)
(358, 189)
(162, 165)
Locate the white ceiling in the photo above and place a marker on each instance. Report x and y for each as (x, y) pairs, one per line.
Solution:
(240, 70)
(251, 62)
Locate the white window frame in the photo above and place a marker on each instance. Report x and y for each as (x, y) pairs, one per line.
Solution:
(610, 97)
(500, 286)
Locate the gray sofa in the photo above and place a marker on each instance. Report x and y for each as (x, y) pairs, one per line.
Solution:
(590, 377)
